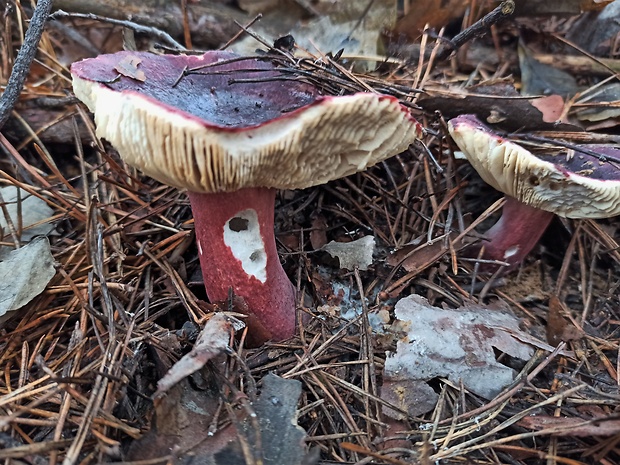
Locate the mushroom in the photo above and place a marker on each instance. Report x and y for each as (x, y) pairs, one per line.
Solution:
(573, 183)
(231, 134)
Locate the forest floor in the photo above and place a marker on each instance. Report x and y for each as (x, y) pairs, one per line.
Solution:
(125, 300)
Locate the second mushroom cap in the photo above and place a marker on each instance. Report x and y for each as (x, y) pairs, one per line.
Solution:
(581, 183)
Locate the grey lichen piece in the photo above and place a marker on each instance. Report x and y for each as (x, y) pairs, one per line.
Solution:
(32, 209)
(282, 438)
(355, 254)
(24, 274)
(457, 344)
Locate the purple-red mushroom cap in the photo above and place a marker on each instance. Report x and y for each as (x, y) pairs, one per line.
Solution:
(569, 183)
(231, 133)
(212, 132)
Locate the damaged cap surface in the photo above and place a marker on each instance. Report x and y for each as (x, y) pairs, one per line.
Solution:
(570, 183)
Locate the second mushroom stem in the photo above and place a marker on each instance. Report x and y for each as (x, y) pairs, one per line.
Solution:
(516, 232)
(237, 250)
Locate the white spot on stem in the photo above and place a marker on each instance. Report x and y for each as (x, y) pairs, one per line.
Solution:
(242, 236)
(511, 251)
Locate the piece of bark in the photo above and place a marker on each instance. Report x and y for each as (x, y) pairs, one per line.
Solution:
(494, 103)
(51, 123)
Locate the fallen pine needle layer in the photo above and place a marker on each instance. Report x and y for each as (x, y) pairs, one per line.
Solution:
(81, 362)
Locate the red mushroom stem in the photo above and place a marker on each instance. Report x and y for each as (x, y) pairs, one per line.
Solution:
(515, 234)
(237, 250)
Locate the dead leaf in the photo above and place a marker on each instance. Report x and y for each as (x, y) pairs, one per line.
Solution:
(595, 30)
(354, 26)
(457, 344)
(290, 241)
(435, 13)
(185, 424)
(128, 67)
(416, 257)
(281, 439)
(560, 328)
(318, 235)
(35, 214)
(352, 255)
(324, 289)
(409, 395)
(24, 274)
(212, 341)
(551, 107)
(541, 79)
(602, 104)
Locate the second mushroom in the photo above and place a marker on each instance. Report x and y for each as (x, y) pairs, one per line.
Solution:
(231, 133)
(583, 182)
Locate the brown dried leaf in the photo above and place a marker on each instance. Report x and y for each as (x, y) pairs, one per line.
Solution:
(128, 67)
(290, 241)
(435, 13)
(558, 327)
(412, 396)
(318, 234)
(182, 422)
(212, 341)
(414, 257)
